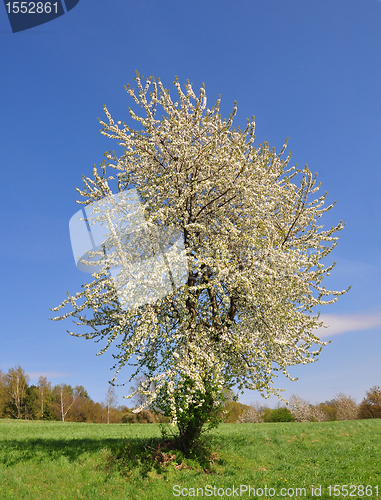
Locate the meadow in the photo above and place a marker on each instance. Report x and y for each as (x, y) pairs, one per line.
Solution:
(63, 460)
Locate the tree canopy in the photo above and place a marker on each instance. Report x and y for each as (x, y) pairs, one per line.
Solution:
(253, 247)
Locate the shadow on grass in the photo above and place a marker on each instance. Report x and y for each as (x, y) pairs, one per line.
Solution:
(17, 451)
(127, 455)
(138, 455)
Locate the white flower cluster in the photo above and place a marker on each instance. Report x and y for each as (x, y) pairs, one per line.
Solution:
(303, 411)
(146, 262)
(250, 416)
(253, 248)
(346, 407)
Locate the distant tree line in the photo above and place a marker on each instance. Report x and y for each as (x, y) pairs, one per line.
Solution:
(342, 407)
(43, 401)
(19, 400)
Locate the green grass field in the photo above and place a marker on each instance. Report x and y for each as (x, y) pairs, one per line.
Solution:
(44, 460)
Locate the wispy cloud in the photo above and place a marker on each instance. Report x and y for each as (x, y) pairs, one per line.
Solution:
(343, 323)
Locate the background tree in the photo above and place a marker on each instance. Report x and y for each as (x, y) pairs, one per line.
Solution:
(110, 402)
(370, 406)
(95, 414)
(281, 414)
(346, 407)
(303, 411)
(233, 411)
(251, 415)
(82, 408)
(45, 397)
(253, 250)
(318, 414)
(32, 409)
(16, 384)
(330, 409)
(65, 399)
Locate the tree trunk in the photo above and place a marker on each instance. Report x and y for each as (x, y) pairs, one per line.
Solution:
(192, 421)
(189, 435)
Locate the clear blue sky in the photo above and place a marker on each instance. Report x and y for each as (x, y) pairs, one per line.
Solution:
(307, 70)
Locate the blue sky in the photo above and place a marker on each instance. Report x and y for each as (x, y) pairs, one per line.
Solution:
(310, 71)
